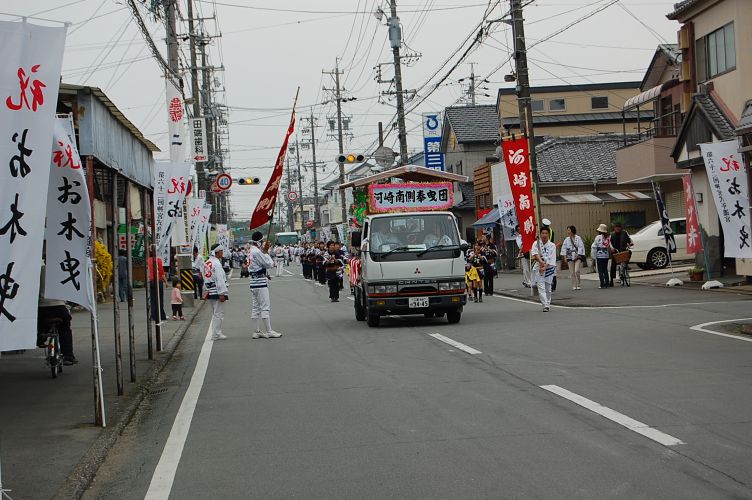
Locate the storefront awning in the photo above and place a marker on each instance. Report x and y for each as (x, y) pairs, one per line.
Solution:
(490, 219)
(640, 99)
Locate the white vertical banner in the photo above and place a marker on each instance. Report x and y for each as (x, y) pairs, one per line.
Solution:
(505, 203)
(728, 182)
(194, 211)
(29, 83)
(223, 237)
(198, 139)
(341, 232)
(68, 232)
(175, 124)
(203, 231)
(170, 187)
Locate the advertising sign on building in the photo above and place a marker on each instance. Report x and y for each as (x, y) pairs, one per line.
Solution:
(434, 158)
(198, 139)
(728, 182)
(410, 197)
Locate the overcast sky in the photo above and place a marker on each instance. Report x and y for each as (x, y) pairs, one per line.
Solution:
(269, 48)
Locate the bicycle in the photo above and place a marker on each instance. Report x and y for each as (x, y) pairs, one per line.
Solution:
(54, 357)
(622, 258)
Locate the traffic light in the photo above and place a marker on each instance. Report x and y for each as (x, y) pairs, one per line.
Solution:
(247, 181)
(351, 158)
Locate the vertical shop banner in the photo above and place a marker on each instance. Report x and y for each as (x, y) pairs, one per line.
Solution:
(29, 83)
(694, 238)
(198, 139)
(668, 233)
(341, 228)
(517, 161)
(728, 181)
(68, 232)
(223, 237)
(505, 204)
(203, 230)
(434, 158)
(194, 211)
(170, 188)
(175, 122)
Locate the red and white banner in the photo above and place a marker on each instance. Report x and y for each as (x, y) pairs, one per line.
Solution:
(694, 239)
(728, 182)
(29, 83)
(170, 189)
(265, 206)
(175, 122)
(407, 197)
(517, 161)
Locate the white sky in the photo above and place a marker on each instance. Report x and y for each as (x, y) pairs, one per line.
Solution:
(267, 54)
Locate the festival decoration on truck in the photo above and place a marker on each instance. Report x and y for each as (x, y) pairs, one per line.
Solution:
(410, 197)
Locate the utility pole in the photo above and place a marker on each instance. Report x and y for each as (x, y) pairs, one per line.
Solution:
(290, 221)
(300, 188)
(523, 96)
(312, 142)
(395, 40)
(472, 83)
(173, 61)
(338, 99)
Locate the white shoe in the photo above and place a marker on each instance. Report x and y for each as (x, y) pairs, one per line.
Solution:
(545, 309)
(218, 337)
(579, 288)
(574, 288)
(256, 335)
(272, 335)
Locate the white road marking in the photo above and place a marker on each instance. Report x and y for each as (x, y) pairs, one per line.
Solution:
(615, 416)
(164, 474)
(350, 297)
(701, 328)
(579, 308)
(454, 343)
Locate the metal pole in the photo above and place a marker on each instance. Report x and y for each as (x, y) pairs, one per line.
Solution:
(290, 221)
(338, 98)
(381, 135)
(300, 186)
(158, 303)
(115, 215)
(196, 93)
(129, 259)
(98, 403)
(316, 216)
(395, 38)
(146, 210)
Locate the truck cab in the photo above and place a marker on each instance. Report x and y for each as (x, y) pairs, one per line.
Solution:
(411, 263)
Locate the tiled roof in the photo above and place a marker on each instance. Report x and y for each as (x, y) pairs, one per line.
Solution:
(578, 159)
(474, 123)
(681, 7)
(717, 119)
(612, 116)
(468, 196)
(745, 123)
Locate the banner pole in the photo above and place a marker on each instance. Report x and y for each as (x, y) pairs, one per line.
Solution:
(3, 491)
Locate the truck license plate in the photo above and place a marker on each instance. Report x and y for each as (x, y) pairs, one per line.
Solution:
(417, 302)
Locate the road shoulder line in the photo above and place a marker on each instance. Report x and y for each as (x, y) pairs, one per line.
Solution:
(454, 343)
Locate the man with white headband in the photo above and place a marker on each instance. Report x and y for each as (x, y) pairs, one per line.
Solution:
(258, 262)
(216, 290)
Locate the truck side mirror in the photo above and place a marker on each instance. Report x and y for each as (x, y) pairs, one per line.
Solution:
(355, 239)
(464, 246)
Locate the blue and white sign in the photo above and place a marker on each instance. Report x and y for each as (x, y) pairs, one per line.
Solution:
(432, 140)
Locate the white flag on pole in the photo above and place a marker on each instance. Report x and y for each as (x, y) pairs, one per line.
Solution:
(195, 205)
(170, 186)
(68, 232)
(728, 182)
(206, 211)
(223, 237)
(29, 83)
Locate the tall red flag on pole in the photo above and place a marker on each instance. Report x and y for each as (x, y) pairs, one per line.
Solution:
(517, 162)
(265, 206)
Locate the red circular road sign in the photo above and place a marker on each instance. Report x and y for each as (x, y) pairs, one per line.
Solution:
(292, 196)
(215, 188)
(309, 223)
(223, 182)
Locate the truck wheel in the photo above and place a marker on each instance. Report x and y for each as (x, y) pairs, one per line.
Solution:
(453, 316)
(373, 319)
(360, 311)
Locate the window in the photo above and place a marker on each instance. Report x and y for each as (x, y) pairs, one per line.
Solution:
(478, 201)
(599, 102)
(537, 105)
(629, 220)
(487, 202)
(715, 53)
(679, 227)
(556, 105)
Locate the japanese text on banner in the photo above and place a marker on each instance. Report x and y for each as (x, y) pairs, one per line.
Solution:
(694, 239)
(407, 197)
(29, 79)
(728, 182)
(517, 162)
(170, 188)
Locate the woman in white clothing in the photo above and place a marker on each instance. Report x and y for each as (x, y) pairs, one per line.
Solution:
(573, 251)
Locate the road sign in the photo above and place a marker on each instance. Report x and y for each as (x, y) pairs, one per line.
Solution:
(223, 182)
(384, 156)
(215, 188)
(202, 193)
(292, 196)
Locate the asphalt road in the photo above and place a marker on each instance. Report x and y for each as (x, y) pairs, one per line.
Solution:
(635, 405)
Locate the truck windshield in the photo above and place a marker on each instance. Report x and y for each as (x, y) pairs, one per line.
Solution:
(288, 238)
(407, 237)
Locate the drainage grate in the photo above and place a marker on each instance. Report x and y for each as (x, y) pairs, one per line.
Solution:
(161, 390)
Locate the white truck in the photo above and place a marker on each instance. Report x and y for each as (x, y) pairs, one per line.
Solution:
(410, 263)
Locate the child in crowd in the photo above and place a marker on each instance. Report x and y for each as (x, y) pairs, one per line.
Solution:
(177, 301)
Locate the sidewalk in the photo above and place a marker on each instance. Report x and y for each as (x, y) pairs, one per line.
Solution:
(47, 425)
(648, 288)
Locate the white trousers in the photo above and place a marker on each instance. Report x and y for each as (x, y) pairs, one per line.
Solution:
(544, 292)
(280, 265)
(525, 264)
(574, 272)
(218, 316)
(260, 303)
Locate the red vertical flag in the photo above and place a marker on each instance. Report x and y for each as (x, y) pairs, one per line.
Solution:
(265, 206)
(517, 162)
(694, 239)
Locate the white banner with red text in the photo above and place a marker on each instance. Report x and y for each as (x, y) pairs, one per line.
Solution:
(170, 188)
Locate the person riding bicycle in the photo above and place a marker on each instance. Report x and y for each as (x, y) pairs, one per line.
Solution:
(620, 241)
(49, 309)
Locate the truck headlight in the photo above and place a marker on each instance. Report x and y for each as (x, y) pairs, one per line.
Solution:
(382, 289)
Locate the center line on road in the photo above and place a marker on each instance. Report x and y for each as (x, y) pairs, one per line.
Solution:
(454, 343)
(615, 416)
(164, 475)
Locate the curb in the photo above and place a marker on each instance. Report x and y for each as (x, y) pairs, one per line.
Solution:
(83, 473)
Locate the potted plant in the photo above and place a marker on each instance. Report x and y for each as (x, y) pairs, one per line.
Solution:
(696, 273)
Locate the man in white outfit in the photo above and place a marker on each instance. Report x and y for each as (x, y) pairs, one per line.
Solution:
(279, 258)
(524, 260)
(215, 287)
(544, 269)
(258, 263)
